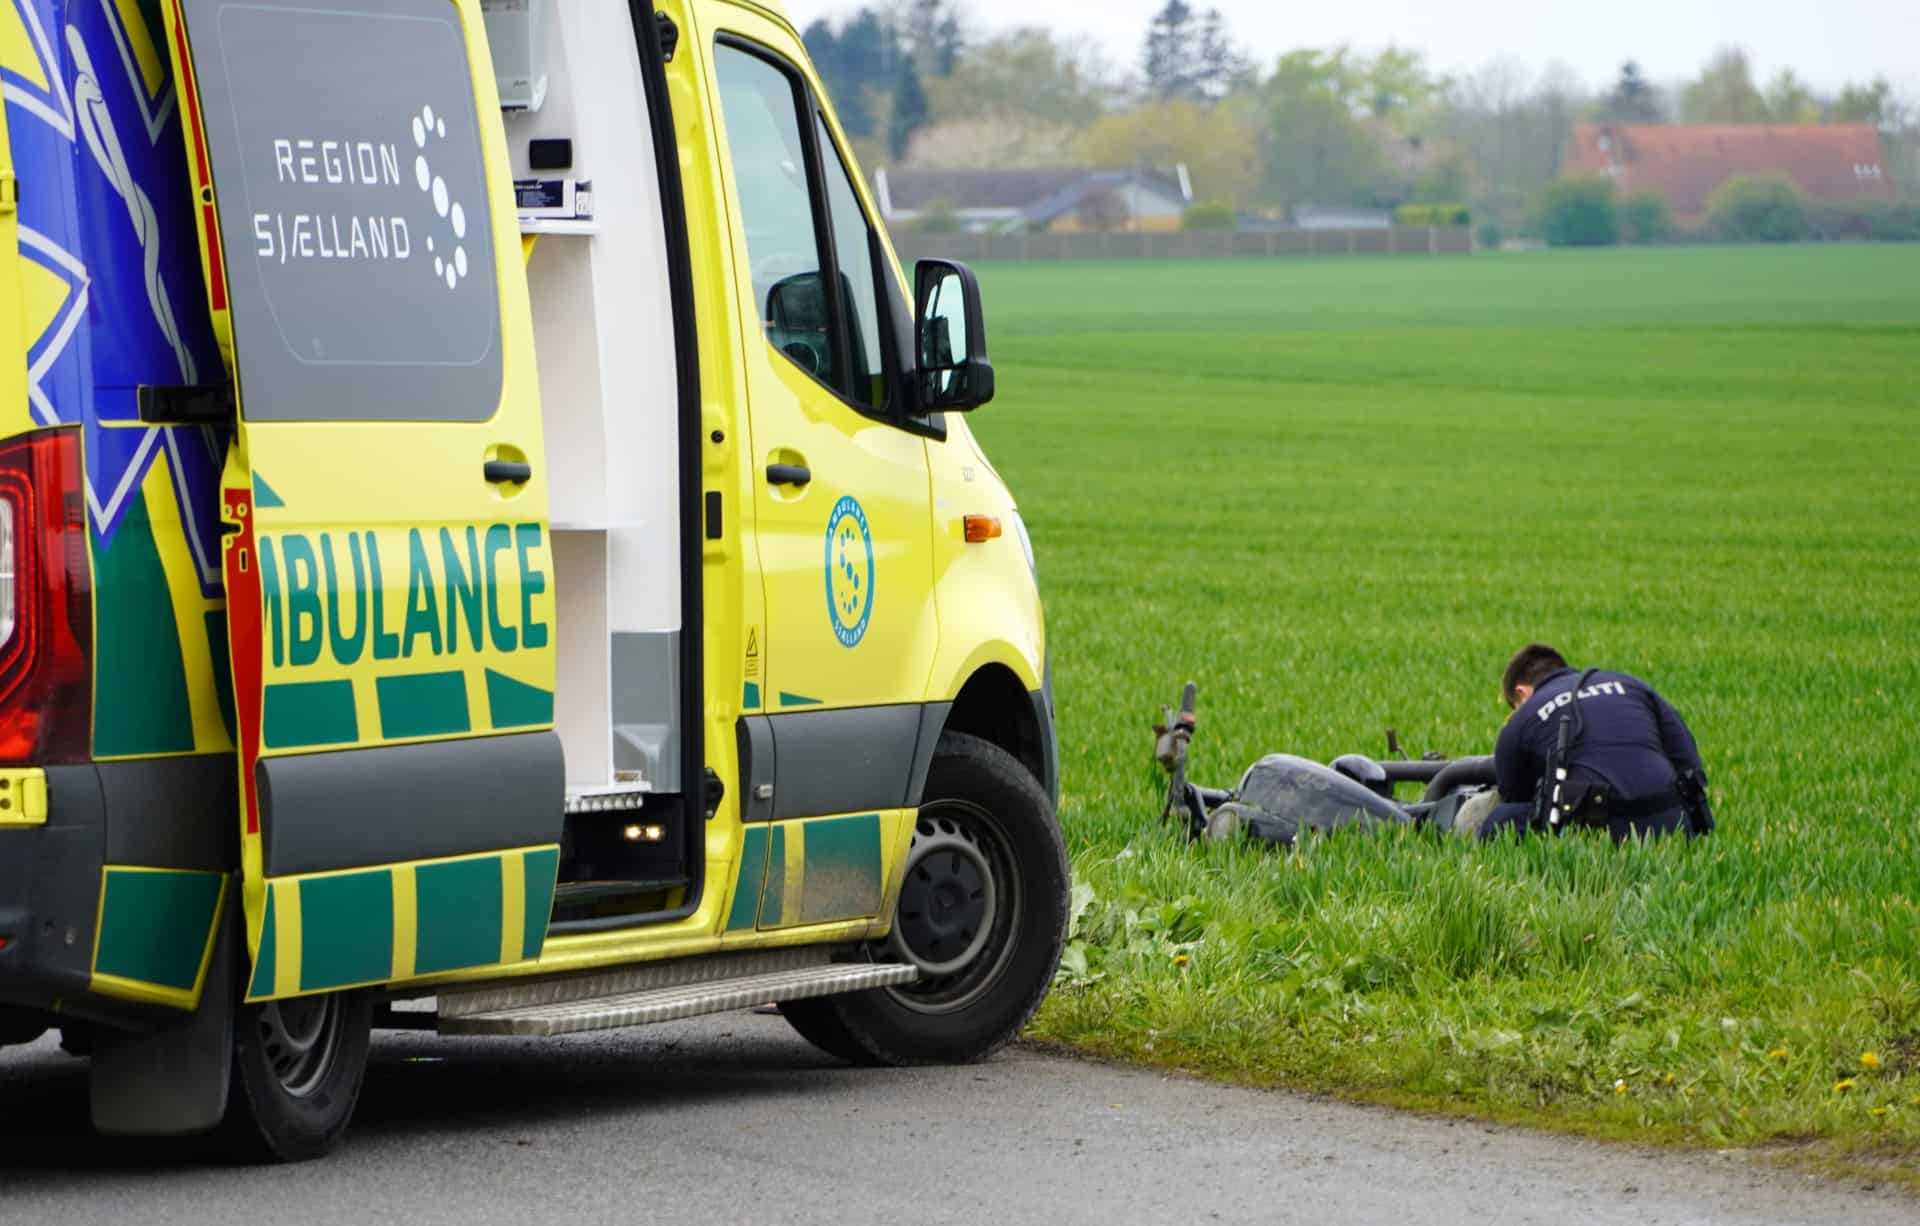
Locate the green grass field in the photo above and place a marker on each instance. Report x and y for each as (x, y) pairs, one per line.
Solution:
(1339, 494)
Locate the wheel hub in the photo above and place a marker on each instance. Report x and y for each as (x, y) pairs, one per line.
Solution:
(299, 1037)
(947, 901)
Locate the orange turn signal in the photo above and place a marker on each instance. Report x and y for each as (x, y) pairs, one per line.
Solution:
(981, 528)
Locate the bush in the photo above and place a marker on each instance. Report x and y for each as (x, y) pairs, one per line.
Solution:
(1757, 210)
(1646, 217)
(1489, 234)
(1863, 220)
(1210, 217)
(1895, 223)
(1432, 215)
(1580, 213)
(939, 217)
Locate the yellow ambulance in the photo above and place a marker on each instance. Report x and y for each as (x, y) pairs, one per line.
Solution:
(489, 540)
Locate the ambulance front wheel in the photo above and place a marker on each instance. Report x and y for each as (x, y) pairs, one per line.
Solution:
(982, 913)
(297, 1070)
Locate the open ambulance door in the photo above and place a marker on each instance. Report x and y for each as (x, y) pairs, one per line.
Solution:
(388, 563)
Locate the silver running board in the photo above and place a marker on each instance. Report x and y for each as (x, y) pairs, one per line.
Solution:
(659, 992)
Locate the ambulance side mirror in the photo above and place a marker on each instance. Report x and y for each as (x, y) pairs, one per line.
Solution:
(950, 338)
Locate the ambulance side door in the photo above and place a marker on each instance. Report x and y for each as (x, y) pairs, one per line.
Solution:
(388, 566)
(843, 530)
(841, 501)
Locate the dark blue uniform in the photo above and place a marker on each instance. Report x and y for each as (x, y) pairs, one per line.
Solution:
(1630, 749)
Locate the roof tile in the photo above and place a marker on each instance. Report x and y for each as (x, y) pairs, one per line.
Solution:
(1688, 162)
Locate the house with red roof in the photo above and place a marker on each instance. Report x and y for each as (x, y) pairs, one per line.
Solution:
(1686, 163)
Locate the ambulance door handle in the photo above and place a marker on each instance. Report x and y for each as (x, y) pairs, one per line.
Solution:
(508, 472)
(789, 474)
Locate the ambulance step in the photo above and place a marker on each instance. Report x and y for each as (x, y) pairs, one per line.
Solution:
(662, 993)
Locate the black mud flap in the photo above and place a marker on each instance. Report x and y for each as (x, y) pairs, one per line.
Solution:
(172, 1081)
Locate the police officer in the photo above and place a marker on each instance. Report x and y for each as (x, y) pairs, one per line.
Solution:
(1595, 749)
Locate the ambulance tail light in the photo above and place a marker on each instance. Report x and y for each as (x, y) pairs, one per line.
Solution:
(46, 602)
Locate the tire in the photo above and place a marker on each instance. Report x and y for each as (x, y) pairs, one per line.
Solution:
(818, 1023)
(985, 830)
(297, 1070)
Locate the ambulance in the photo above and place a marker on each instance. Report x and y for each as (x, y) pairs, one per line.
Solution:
(490, 541)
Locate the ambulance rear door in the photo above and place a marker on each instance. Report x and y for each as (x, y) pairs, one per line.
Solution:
(388, 564)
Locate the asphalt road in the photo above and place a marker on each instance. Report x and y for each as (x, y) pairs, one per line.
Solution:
(733, 1120)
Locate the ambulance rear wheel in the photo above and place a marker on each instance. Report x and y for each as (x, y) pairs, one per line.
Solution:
(297, 1070)
(818, 1022)
(983, 913)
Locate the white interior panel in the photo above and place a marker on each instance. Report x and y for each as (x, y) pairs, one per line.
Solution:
(583, 693)
(560, 282)
(612, 434)
(603, 334)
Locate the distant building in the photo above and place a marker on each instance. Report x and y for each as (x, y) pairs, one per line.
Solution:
(1059, 200)
(1339, 217)
(1686, 163)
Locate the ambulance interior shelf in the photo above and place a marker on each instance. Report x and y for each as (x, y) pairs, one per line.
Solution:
(559, 225)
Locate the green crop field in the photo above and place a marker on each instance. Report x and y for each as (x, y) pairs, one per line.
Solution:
(1338, 494)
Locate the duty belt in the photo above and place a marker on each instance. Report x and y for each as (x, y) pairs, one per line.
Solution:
(1600, 806)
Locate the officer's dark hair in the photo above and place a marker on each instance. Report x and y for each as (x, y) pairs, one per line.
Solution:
(1530, 665)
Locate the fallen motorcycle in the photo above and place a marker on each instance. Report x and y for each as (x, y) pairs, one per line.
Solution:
(1283, 795)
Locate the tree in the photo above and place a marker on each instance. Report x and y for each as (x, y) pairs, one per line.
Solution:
(850, 61)
(1024, 74)
(1580, 213)
(1724, 92)
(1224, 67)
(931, 33)
(873, 80)
(1317, 150)
(1219, 146)
(1336, 75)
(1171, 57)
(1004, 141)
(1632, 99)
(1397, 85)
(1192, 55)
(1872, 103)
(1448, 178)
(1513, 126)
(1790, 101)
(909, 110)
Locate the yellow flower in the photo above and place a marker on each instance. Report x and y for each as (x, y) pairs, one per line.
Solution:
(1778, 1053)
(1881, 1111)
(1869, 1061)
(1620, 1086)
(1843, 1085)
(1181, 959)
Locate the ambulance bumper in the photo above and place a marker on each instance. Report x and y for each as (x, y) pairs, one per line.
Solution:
(168, 813)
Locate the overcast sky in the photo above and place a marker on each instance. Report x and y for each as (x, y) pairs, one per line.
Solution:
(1828, 42)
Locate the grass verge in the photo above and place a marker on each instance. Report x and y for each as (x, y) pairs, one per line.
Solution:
(1339, 493)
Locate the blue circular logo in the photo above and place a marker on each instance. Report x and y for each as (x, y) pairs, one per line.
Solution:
(849, 571)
